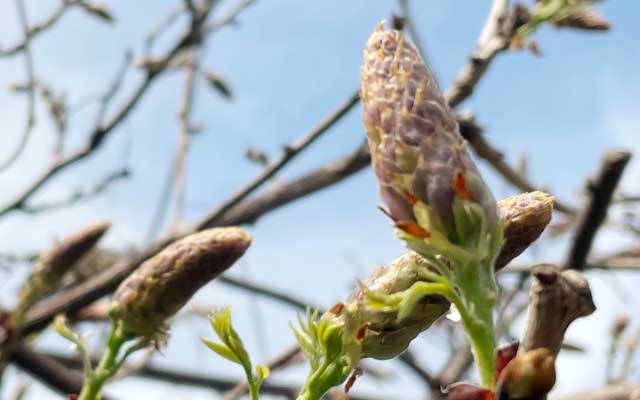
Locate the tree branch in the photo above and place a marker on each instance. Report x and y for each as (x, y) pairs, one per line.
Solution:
(592, 216)
(31, 83)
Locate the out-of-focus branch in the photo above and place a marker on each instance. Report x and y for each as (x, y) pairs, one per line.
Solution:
(100, 132)
(230, 17)
(184, 122)
(557, 298)
(49, 371)
(491, 41)
(592, 216)
(38, 28)
(31, 83)
(80, 195)
(250, 210)
(289, 152)
(162, 27)
(483, 149)
(629, 391)
(267, 292)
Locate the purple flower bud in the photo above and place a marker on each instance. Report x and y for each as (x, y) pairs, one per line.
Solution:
(418, 153)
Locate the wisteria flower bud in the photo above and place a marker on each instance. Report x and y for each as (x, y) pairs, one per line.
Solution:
(419, 157)
(54, 264)
(164, 283)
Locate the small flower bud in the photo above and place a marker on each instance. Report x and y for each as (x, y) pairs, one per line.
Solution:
(528, 376)
(163, 284)
(585, 18)
(524, 216)
(54, 264)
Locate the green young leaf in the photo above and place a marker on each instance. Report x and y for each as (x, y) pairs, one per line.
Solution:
(332, 342)
(262, 373)
(221, 350)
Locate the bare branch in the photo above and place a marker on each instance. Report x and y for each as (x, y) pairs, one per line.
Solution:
(289, 152)
(184, 118)
(483, 149)
(629, 391)
(80, 195)
(99, 133)
(31, 83)
(230, 17)
(591, 218)
(39, 28)
(491, 41)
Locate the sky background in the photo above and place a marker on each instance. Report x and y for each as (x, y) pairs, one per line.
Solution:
(289, 63)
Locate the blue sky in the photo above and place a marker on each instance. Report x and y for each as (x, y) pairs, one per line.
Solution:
(289, 63)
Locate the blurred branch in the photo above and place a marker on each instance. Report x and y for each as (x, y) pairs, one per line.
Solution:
(255, 288)
(100, 132)
(80, 195)
(184, 118)
(249, 211)
(38, 28)
(289, 152)
(592, 216)
(49, 371)
(31, 83)
(613, 392)
(491, 41)
(164, 24)
(230, 17)
(483, 149)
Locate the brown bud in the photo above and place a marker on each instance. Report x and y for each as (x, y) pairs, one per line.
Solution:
(98, 11)
(585, 18)
(55, 263)
(165, 282)
(528, 376)
(218, 84)
(524, 216)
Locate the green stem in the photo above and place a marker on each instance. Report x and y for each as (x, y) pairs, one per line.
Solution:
(476, 300)
(105, 369)
(253, 388)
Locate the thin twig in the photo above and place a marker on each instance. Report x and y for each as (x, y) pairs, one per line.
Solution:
(230, 17)
(483, 149)
(31, 83)
(591, 218)
(99, 133)
(491, 41)
(38, 28)
(166, 23)
(270, 293)
(80, 195)
(288, 154)
(184, 118)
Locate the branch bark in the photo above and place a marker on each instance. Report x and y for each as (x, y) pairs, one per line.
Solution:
(593, 215)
